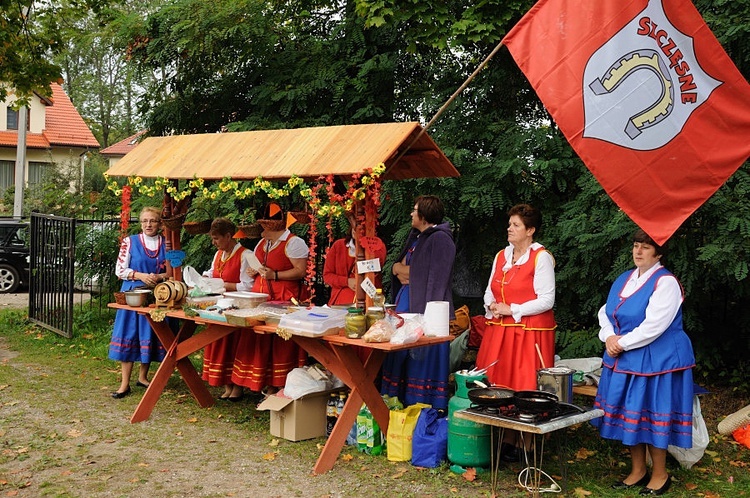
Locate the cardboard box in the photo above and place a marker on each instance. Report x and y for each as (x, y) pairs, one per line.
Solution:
(298, 419)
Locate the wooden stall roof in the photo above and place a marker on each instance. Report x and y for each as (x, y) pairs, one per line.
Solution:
(277, 154)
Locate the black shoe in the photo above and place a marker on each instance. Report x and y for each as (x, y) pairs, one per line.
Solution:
(141, 384)
(509, 453)
(121, 395)
(641, 482)
(663, 489)
(235, 399)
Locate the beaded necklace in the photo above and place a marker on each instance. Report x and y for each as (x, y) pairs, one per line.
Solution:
(150, 253)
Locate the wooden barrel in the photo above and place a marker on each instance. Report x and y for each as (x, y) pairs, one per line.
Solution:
(170, 292)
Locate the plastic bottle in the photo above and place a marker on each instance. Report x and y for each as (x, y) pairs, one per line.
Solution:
(340, 404)
(330, 414)
(379, 300)
(362, 428)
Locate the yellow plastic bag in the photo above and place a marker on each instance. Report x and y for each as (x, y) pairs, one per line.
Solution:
(400, 430)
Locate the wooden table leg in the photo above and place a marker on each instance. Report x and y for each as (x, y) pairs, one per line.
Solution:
(344, 363)
(180, 347)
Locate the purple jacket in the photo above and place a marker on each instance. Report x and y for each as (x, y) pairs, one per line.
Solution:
(431, 267)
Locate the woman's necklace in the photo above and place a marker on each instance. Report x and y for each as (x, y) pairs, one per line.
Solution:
(223, 258)
(151, 254)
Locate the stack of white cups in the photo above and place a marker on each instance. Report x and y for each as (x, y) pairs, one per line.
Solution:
(437, 319)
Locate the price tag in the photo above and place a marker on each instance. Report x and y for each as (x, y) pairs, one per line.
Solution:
(368, 265)
(369, 287)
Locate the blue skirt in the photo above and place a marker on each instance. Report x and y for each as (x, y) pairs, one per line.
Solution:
(655, 410)
(133, 339)
(418, 375)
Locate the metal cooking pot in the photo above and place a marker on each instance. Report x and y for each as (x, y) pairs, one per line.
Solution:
(491, 396)
(558, 381)
(535, 401)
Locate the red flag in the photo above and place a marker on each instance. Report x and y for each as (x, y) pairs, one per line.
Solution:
(645, 95)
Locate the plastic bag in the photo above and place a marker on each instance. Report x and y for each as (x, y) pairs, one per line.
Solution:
(201, 285)
(409, 332)
(299, 383)
(430, 439)
(381, 331)
(689, 456)
(400, 429)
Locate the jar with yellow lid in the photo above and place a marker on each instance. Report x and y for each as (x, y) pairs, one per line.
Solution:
(355, 323)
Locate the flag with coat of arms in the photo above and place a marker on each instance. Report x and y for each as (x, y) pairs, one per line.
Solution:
(645, 95)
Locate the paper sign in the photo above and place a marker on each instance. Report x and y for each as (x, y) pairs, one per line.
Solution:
(369, 287)
(368, 265)
(251, 259)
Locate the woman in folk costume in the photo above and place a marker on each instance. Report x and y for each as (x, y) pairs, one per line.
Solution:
(646, 387)
(519, 299)
(339, 270)
(264, 360)
(228, 265)
(423, 272)
(141, 263)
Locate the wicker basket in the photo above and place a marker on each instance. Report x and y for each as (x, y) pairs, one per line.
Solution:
(197, 227)
(302, 217)
(120, 298)
(252, 231)
(273, 225)
(175, 222)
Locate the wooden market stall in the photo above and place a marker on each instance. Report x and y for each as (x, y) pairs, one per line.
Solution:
(343, 151)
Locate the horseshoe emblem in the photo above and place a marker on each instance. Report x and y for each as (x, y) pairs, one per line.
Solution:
(625, 66)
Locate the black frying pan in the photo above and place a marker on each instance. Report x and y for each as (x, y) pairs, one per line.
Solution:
(535, 401)
(491, 396)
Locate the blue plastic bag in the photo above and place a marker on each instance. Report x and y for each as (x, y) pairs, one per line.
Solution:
(430, 439)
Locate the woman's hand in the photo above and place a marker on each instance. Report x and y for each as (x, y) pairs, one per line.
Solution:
(252, 272)
(352, 283)
(150, 279)
(267, 273)
(499, 309)
(401, 271)
(613, 346)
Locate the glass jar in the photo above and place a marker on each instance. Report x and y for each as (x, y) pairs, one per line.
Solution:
(373, 315)
(355, 323)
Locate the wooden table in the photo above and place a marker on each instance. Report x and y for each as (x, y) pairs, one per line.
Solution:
(179, 347)
(337, 353)
(533, 469)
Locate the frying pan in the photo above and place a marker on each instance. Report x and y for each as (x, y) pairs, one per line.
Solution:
(535, 401)
(491, 396)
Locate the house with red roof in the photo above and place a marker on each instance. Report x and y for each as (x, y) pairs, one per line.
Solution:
(117, 151)
(56, 135)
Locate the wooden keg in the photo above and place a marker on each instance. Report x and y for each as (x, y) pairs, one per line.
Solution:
(170, 293)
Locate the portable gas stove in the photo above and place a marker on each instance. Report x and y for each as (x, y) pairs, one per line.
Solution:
(512, 413)
(529, 425)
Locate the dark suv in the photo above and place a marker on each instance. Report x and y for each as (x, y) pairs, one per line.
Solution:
(14, 254)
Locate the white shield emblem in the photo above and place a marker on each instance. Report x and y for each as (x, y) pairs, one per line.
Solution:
(642, 85)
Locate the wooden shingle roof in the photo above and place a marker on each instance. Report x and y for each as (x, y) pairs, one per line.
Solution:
(278, 154)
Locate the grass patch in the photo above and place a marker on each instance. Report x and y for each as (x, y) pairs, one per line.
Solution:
(62, 435)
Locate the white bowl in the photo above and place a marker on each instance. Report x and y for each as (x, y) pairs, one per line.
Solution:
(137, 297)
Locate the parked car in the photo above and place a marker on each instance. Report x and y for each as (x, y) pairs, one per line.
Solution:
(14, 254)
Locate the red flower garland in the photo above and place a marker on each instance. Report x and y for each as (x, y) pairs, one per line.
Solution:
(125, 211)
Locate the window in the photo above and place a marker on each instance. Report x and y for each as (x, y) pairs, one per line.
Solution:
(37, 172)
(12, 117)
(7, 175)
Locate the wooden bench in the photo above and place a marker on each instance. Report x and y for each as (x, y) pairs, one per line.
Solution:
(585, 390)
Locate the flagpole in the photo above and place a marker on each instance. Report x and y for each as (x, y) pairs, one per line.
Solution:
(450, 100)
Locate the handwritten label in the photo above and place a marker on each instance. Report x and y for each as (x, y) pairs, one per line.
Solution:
(368, 287)
(368, 265)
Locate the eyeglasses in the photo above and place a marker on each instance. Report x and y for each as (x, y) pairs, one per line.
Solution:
(150, 222)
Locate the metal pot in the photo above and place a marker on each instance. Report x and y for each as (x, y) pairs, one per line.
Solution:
(535, 401)
(558, 381)
(491, 396)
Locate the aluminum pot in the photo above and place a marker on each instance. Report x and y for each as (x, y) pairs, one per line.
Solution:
(558, 381)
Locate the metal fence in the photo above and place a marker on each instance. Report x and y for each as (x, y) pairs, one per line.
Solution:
(72, 264)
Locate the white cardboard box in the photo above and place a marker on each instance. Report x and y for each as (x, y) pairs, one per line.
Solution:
(298, 419)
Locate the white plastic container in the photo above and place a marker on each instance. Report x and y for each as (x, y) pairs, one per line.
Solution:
(314, 322)
(243, 299)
